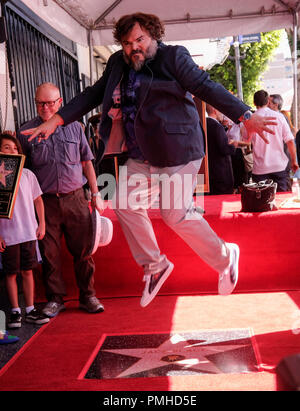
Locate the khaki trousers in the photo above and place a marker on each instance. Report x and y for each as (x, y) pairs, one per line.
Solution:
(142, 185)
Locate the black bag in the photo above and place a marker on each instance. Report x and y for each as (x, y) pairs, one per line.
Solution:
(258, 197)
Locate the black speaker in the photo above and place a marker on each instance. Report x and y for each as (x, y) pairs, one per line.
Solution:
(3, 32)
(289, 372)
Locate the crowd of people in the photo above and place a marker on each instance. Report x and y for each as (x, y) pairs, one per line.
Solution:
(235, 158)
(152, 86)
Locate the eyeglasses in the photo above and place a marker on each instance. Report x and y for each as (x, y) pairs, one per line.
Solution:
(44, 103)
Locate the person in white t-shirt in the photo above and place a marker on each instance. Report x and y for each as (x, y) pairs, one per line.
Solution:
(18, 238)
(270, 160)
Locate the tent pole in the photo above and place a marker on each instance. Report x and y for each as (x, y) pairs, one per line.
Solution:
(295, 79)
(91, 59)
(91, 55)
(236, 45)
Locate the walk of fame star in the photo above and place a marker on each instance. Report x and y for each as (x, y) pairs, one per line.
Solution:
(4, 173)
(210, 352)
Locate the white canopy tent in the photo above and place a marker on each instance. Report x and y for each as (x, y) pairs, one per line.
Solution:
(191, 19)
(90, 22)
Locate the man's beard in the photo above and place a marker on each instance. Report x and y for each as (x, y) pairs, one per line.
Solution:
(138, 64)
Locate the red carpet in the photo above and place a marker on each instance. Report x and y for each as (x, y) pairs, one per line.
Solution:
(57, 356)
(269, 244)
(266, 301)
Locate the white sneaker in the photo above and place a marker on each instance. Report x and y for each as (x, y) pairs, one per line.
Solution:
(229, 277)
(154, 283)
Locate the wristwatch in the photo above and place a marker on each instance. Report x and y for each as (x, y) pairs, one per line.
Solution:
(246, 116)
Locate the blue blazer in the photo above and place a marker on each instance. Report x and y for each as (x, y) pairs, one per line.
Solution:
(167, 123)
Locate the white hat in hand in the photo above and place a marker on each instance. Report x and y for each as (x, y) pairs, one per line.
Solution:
(102, 231)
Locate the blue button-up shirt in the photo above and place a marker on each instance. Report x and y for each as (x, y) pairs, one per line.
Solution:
(57, 161)
(129, 100)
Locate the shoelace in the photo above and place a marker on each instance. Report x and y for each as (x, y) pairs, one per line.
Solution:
(53, 305)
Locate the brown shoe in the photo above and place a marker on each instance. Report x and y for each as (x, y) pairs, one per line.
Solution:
(91, 305)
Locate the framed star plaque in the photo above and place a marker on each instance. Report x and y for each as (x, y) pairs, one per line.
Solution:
(11, 166)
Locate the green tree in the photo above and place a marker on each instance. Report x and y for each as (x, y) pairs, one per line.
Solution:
(257, 56)
(290, 39)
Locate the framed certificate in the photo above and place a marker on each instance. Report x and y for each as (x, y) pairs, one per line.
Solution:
(11, 166)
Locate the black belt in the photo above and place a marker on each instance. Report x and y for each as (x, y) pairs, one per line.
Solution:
(61, 194)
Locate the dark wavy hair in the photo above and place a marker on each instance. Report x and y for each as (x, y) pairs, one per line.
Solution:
(150, 22)
(7, 136)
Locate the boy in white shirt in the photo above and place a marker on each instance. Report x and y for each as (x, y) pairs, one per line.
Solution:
(18, 237)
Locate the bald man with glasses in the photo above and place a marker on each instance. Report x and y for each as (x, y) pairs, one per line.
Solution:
(63, 164)
(42, 104)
